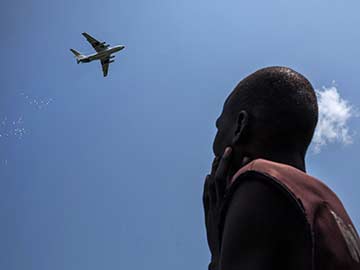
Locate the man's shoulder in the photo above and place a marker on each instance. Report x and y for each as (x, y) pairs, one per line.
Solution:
(254, 190)
(256, 201)
(258, 188)
(261, 219)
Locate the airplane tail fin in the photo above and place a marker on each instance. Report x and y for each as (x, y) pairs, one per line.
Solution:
(78, 55)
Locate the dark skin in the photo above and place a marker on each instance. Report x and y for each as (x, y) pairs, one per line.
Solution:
(271, 235)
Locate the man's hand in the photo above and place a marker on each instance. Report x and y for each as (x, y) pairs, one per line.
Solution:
(214, 189)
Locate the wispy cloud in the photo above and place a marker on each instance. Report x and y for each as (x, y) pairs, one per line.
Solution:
(334, 115)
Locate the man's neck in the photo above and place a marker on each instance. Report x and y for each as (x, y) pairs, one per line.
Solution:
(294, 160)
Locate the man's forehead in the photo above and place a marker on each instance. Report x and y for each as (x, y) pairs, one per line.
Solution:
(225, 109)
(229, 98)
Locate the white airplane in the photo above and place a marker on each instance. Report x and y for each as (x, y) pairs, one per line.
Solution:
(103, 53)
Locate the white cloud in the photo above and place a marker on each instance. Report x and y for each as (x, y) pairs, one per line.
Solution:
(334, 114)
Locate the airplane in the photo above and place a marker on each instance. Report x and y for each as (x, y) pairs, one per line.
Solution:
(103, 53)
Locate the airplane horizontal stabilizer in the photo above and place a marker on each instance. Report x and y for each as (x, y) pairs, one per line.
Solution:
(75, 52)
(78, 55)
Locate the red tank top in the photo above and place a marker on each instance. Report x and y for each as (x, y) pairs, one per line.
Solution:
(335, 242)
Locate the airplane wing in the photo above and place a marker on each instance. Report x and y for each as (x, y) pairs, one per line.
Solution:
(97, 45)
(105, 65)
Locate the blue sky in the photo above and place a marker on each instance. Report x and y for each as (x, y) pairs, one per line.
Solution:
(93, 160)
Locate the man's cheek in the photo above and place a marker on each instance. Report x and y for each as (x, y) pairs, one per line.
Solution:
(220, 143)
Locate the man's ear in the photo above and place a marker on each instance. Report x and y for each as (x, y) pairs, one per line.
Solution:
(241, 123)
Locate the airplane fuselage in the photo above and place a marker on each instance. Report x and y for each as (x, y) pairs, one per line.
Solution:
(101, 55)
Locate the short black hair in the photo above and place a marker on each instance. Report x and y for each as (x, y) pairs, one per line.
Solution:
(282, 106)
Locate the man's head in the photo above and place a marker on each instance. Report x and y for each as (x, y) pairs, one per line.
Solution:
(272, 111)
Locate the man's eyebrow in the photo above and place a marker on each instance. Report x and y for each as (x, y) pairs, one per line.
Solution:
(217, 122)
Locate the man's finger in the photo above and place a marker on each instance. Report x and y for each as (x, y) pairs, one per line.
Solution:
(224, 163)
(222, 172)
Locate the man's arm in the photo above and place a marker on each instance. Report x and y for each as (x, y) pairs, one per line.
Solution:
(264, 229)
